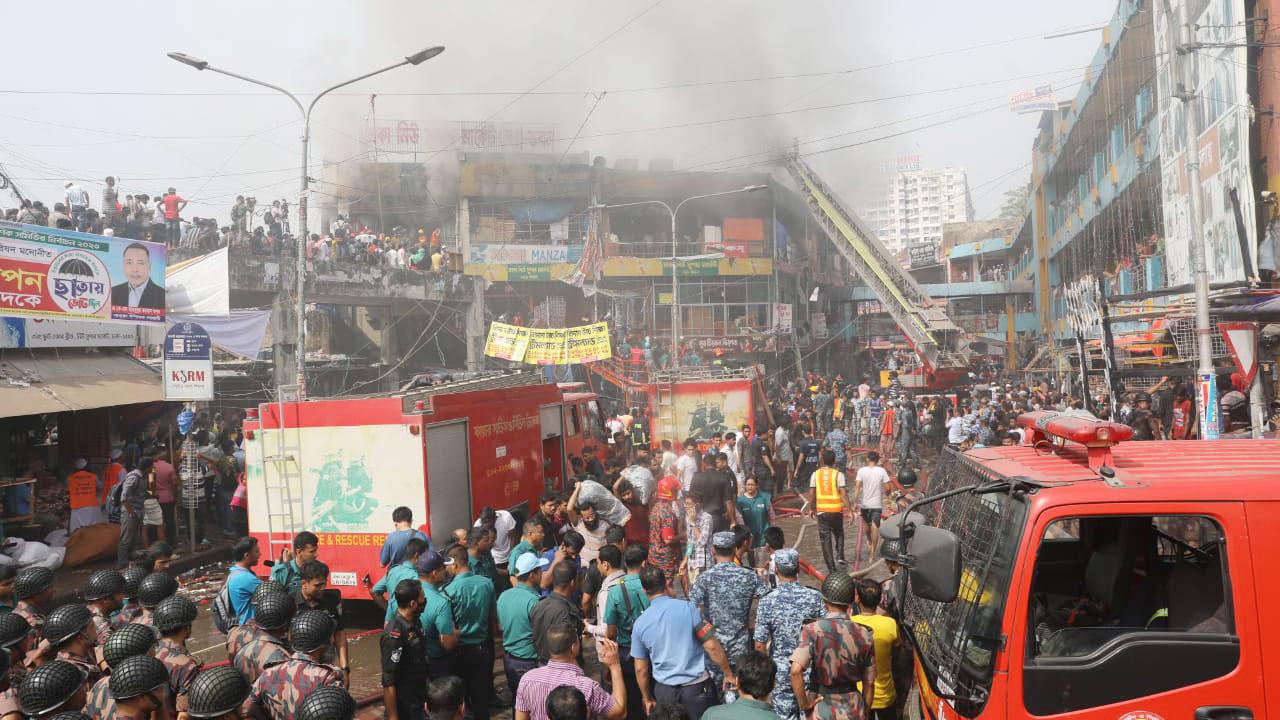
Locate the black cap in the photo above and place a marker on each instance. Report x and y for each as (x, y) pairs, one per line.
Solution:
(274, 610)
(137, 675)
(216, 692)
(311, 630)
(65, 623)
(837, 589)
(327, 703)
(156, 587)
(103, 583)
(174, 613)
(130, 640)
(13, 629)
(32, 581)
(132, 578)
(50, 686)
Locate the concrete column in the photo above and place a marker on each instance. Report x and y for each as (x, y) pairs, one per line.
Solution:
(283, 333)
(388, 348)
(475, 325)
(464, 229)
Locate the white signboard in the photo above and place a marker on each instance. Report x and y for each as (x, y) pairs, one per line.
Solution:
(818, 321)
(508, 137)
(188, 363)
(43, 332)
(782, 317)
(1035, 100)
(501, 254)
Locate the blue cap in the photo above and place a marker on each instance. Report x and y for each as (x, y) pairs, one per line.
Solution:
(529, 562)
(430, 561)
(723, 540)
(786, 559)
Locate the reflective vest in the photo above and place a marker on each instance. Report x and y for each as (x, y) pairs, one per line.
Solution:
(838, 411)
(82, 487)
(827, 490)
(111, 476)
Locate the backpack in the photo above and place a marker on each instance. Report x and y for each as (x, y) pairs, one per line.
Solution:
(224, 618)
(113, 503)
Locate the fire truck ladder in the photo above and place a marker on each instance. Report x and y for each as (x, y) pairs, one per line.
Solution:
(924, 323)
(666, 409)
(284, 512)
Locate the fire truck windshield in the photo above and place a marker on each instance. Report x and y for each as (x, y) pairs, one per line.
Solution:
(956, 642)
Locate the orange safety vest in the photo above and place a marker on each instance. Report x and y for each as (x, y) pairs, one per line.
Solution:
(827, 490)
(82, 487)
(109, 479)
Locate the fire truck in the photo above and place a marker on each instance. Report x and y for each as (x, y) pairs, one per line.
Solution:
(1080, 575)
(340, 467)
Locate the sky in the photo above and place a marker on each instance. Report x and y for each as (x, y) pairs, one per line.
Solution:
(867, 83)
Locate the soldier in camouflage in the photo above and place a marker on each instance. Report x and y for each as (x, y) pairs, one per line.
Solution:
(174, 617)
(779, 618)
(277, 693)
(33, 589)
(724, 593)
(69, 631)
(126, 642)
(103, 594)
(154, 588)
(839, 654)
(245, 632)
(268, 648)
(133, 576)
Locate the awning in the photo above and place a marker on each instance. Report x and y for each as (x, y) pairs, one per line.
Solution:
(48, 381)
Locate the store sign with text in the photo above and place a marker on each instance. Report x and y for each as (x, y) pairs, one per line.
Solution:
(43, 333)
(502, 254)
(188, 363)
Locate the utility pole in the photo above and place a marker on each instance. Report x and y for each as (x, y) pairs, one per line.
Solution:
(1206, 387)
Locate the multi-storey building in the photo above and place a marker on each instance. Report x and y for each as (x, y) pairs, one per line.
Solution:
(917, 203)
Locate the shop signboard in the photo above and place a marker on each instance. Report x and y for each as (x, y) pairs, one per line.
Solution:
(922, 255)
(1033, 100)
(502, 254)
(44, 333)
(782, 317)
(818, 322)
(188, 363)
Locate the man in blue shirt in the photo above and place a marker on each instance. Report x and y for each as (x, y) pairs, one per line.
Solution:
(241, 582)
(670, 643)
(393, 547)
(383, 592)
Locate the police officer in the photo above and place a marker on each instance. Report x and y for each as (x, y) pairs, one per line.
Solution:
(268, 647)
(104, 595)
(52, 687)
(247, 631)
(724, 592)
(472, 597)
(129, 641)
(173, 617)
(839, 654)
(33, 589)
(438, 629)
(779, 618)
(404, 655)
(133, 576)
(69, 631)
(154, 588)
(277, 693)
(328, 703)
(139, 687)
(217, 694)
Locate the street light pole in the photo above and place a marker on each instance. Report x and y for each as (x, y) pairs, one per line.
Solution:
(300, 269)
(675, 253)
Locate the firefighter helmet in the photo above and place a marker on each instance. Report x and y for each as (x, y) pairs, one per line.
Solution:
(311, 630)
(837, 589)
(274, 610)
(103, 583)
(136, 676)
(328, 703)
(216, 692)
(156, 587)
(130, 640)
(174, 613)
(65, 623)
(50, 686)
(32, 581)
(13, 629)
(132, 578)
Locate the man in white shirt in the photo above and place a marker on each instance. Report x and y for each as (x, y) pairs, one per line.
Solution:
(730, 450)
(669, 459)
(955, 431)
(587, 521)
(869, 489)
(687, 465)
(78, 204)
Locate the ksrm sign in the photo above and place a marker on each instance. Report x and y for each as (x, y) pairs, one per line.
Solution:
(188, 363)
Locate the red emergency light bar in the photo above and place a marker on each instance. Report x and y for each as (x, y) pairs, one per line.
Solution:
(1099, 436)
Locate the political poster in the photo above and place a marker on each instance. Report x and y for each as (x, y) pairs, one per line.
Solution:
(588, 343)
(68, 275)
(507, 342)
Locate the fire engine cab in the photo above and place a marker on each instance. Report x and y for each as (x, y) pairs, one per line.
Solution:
(1084, 576)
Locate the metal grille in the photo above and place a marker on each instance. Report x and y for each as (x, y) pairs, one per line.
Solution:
(958, 640)
(1183, 331)
(550, 312)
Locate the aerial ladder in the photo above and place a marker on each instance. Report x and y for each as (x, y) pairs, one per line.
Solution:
(930, 332)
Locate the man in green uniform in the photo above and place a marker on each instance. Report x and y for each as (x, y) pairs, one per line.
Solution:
(383, 593)
(840, 654)
(625, 602)
(514, 608)
(438, 630)
(472, 597)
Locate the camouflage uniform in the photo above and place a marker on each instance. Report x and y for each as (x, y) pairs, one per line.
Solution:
(34, 618)
(779, 618)
(279, 690)
(99, 703)
(146, 617)
(101, 624)
(126, 616)
(183, 668)
(724, 593)
(262, 652)
(88, 664)
(838, 653)
(240, 636)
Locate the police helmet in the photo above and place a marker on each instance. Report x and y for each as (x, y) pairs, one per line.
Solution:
(891, 550)
(837, 589)
(311, 630)
(136, 676)
(216, 692)
(65, 623)
(156, 587)
(274, 610)
(328, 703)
(130, 640)
(174, 613)
(132, 578)
(907, 477)
(32, 581)
(13, 629)
(50, 686)
(103, 583)
(266, 586)
(71, 715)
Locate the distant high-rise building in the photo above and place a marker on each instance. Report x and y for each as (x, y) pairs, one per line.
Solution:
(917, 203)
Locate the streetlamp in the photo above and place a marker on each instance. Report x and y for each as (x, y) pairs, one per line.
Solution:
(675, 276)
(300, 348)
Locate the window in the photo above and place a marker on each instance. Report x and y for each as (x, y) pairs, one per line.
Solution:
(1122, 607)
(574, 425)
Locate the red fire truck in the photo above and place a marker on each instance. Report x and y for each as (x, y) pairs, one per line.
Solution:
(1080, 575)
(339, 467)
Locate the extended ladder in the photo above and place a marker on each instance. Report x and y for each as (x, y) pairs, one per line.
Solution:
(283, 488)
(666, 409)
(924, 323)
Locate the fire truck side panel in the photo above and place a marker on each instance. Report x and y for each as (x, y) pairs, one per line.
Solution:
(1264, 534)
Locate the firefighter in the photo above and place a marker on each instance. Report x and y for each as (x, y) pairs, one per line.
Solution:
(154, 588)
(133, 576)
(129, 641)
(277, 693)
(33, 589)
(104, 595)
(139, 687)
(174, 617)
(839, 654)
(268, 647)
(639, 431)
(217, 694)
(328, 703)
(829, 499)
(404, 655)
(69, 631)
(52, 687)
(83, 493)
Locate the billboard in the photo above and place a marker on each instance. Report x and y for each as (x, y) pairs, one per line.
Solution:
(350, 479)
(1221, 70)
(503, 254)
(1038, 99)
(42, 333)
(702, 409)
(68, 275)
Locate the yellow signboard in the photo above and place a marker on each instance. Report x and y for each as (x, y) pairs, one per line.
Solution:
(549, 346)
(507, 342)
(546, 346)
(588, 343)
